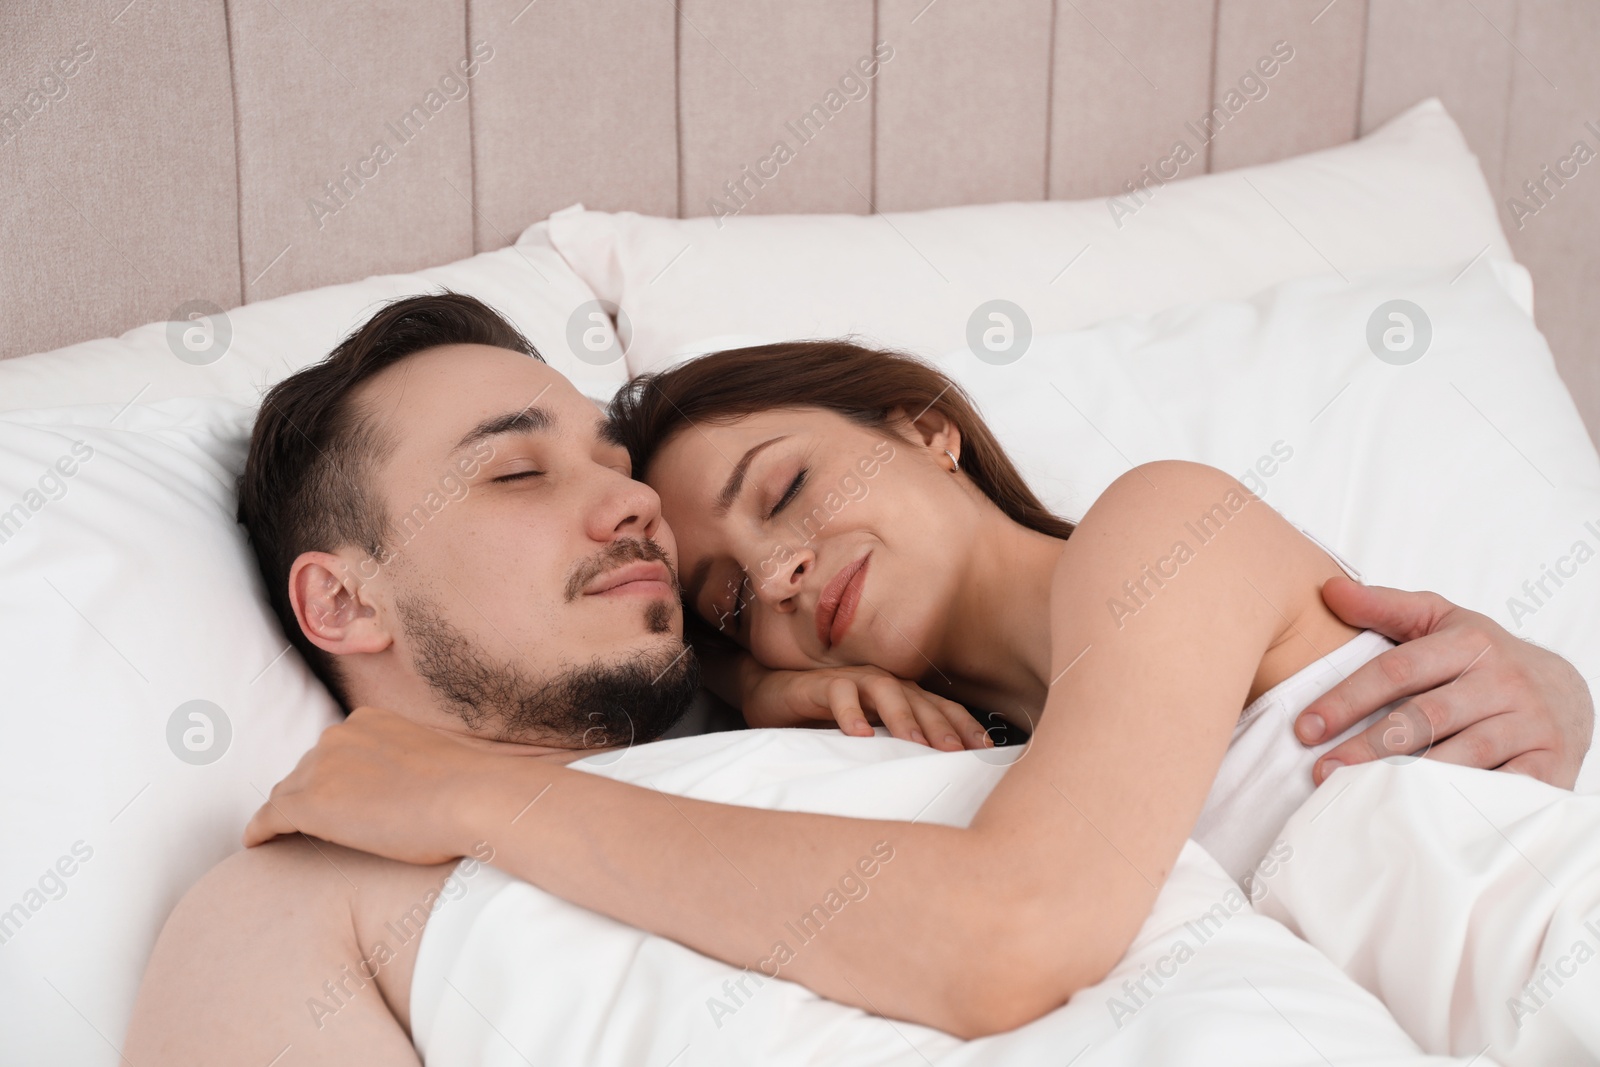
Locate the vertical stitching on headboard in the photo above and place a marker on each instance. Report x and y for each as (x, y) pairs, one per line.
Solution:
(1211, 86)
(1050, 97)
(1361, 82)
(238, 171)
(677, 100)
(1505, 126)
(472, 130)
(872, 121)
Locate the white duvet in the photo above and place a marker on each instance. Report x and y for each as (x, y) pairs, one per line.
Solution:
(508, 974)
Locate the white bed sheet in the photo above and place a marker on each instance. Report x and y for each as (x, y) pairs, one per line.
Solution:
(508, 974)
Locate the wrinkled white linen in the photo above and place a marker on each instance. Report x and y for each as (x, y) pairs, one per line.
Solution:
(508, 974)
(1468, 900)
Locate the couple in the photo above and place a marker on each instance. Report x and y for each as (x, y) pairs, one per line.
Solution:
(540, 617)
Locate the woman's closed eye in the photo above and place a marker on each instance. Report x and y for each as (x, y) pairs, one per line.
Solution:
(790, 493)
(518, 475)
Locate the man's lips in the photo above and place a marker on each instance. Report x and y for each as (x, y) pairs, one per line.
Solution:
(649, 578)
(836, 607)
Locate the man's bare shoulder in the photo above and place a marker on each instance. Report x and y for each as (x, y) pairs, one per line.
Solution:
(279, 934)
(302, 881)
(306, 872)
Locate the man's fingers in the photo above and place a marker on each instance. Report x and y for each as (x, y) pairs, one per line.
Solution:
(1541, 764)
(1419, 725)
(845, 703)
(1487, 743)
(1398, 614)
(1405, 731)
(1405, 670)
(267, 823)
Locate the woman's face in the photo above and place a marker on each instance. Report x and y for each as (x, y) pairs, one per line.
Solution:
(813, 540)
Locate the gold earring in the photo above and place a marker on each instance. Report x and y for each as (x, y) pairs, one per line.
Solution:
(955, 465)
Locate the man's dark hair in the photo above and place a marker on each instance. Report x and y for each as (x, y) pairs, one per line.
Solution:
(307, 484)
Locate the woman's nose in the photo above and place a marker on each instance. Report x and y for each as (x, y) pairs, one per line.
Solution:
(782, 574)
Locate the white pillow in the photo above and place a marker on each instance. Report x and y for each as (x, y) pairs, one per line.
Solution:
(1410, 193)
(240, 353)
(128, 592)
(1466, 470)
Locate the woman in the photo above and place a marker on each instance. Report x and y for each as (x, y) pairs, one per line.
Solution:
(837, 507)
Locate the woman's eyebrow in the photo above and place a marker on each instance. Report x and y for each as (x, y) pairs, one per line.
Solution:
(730, 491)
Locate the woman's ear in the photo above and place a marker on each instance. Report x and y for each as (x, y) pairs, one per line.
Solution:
(335, 608)
(935, 431)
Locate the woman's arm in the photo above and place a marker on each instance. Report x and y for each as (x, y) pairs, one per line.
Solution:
(970, 930)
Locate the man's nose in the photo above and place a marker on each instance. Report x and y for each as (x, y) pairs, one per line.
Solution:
(624, 508)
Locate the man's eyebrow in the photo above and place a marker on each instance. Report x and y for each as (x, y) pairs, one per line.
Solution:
(525, 421)
(607, 430)
(730, 491)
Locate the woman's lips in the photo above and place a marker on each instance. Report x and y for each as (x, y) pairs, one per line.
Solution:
(836, 607)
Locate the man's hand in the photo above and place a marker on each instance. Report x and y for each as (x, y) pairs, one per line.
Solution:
(383, 784)
(1478, 696)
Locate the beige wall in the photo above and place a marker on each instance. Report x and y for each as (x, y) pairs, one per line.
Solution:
(174, 150)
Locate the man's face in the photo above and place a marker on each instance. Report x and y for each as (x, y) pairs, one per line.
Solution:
(530, 579)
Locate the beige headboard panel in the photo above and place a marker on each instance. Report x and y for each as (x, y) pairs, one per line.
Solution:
(161, 151)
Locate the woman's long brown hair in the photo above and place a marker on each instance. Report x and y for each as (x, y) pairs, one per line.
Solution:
(863, 384)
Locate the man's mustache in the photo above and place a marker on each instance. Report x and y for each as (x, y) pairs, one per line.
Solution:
(619, 553)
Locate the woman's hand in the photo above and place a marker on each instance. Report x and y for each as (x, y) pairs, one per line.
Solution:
(383, 784)
(856, 697)
(1477, 695)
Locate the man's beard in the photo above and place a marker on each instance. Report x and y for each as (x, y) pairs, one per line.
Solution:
(600, 705)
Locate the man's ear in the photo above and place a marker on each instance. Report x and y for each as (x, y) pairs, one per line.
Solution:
(935, 431)
(337, 611)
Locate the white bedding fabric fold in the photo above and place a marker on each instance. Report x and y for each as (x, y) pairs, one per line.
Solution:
(1467, 900)
(508, 974)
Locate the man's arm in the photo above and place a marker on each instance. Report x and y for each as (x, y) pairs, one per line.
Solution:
(1479, 696)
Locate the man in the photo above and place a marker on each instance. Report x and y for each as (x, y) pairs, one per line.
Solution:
(448, 532)
(444, 526)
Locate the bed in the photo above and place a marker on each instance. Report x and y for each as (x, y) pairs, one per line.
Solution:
(1132, 231)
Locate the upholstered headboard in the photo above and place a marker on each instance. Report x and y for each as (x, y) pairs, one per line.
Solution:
(156, 152)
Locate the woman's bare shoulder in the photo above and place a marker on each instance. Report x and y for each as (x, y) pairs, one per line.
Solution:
(1171, 505)
(1179, 537)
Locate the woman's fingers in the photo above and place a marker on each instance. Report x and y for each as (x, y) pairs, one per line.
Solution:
(949, 724)
(904, 708)
(894, 710)
(844, 702)
(969, 729)
(935, 723)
